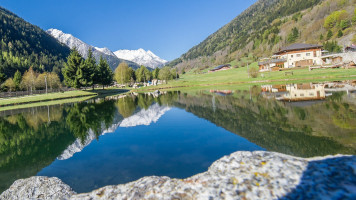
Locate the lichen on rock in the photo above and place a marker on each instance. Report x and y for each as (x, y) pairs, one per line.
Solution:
(241, 175)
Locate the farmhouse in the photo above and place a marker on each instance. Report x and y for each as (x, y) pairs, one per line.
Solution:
(220, 68)
(295, 55)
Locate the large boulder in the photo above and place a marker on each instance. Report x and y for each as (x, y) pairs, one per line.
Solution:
(241, 175)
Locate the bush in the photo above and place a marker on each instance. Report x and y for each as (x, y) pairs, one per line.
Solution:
(253, 72)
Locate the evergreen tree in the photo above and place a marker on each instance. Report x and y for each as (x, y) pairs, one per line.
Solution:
(155, 73)
(329, 35)
(17, 79)
(2, 75)
(87, 70)
(340, 34)
(321, 37)
(71, 71)
(293, 36)
(104, 75)
(132, 75)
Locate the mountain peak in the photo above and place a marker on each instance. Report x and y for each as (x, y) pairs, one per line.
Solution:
(83, 48)
(142, 57)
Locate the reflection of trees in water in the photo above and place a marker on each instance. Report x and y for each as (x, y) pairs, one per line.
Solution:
(32, 140)
(276, 126)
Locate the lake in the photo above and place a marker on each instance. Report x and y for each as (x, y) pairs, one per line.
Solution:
(119, 139)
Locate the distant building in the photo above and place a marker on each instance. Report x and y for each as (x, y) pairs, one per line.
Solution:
(220, 68)
(351, 48)
(295, 55)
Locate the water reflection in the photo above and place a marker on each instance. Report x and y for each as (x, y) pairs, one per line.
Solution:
(306, 91)
(175, 133)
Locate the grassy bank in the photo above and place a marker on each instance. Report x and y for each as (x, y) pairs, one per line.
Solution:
(57, 96)
(238, 76)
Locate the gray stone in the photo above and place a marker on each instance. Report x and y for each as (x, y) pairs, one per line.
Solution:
(241, 175)
(38, 187)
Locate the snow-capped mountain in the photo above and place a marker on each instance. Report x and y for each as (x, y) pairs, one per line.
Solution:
(142, 57)
(83, 48)
(145, 117)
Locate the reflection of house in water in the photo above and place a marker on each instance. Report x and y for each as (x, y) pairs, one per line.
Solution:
(295, 92)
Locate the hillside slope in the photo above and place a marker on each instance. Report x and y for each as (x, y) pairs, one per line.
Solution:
(23, 45)
(267, 26)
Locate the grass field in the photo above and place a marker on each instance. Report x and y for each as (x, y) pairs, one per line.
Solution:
(240, 76)
(57, 96)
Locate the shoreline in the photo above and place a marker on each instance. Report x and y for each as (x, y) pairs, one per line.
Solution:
(243, 174)
(27, 100)
(256, 82)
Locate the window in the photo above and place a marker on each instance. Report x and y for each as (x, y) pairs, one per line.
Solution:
(314, 53)
(298, 55)
(308, 54)
(302, 95)
(311, 94)
(291, 56)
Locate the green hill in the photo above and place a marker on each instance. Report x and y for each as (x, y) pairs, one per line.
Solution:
(23, 45)
(269, 25)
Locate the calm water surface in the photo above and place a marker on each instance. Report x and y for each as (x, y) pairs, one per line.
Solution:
(178, 134)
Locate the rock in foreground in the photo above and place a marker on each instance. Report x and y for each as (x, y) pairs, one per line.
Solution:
(242, 175)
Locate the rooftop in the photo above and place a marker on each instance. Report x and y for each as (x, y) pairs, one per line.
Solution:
(299, 46)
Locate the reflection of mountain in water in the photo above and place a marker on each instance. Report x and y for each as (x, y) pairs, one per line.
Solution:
(145, 117)
(78, 145)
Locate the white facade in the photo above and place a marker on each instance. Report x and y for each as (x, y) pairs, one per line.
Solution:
(311, 57)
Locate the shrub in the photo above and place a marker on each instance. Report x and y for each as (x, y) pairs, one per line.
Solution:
(253, 72)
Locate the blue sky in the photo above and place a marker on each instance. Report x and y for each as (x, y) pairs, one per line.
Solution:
(168, 28)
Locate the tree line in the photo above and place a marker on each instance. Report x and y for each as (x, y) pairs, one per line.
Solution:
(125, 74)
(79, 72)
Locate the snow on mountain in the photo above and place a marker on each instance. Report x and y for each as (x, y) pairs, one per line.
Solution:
(105, 51)
(142, 57)
(145, 117)
(78, 145)
(83, 48)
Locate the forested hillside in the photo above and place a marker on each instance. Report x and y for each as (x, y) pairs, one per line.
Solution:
(24, 45)
(269, 25)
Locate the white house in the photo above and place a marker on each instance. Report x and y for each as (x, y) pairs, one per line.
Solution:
(295, 55)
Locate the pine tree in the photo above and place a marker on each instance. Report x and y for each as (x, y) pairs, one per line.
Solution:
(17, 79)
(329, 35)
(321, 37)
(340, 34)
(155, 73)
(104, 74)
(2, 75)
(87, 70)
(72, 71)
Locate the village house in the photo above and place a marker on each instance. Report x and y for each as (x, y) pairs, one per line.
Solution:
(221, 68)
(295, 55)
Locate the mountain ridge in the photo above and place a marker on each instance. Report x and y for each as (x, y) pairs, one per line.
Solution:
(142, 57)
(265, 27)
(23, 45)
(72, 41)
